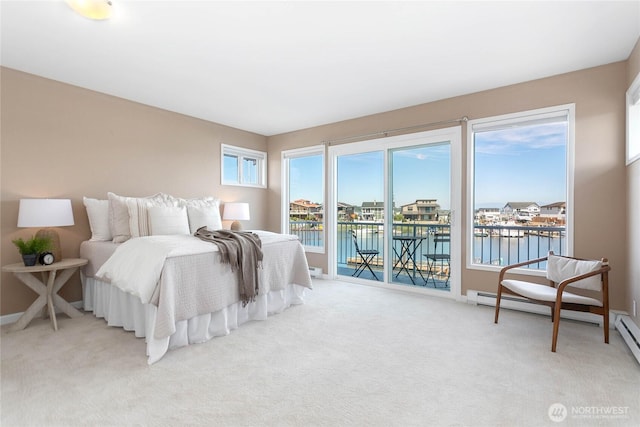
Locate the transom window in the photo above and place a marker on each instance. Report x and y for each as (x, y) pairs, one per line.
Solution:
(521, 187)
(633, 121)
(243, 166)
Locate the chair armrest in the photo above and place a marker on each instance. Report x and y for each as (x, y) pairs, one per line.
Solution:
(520, 264)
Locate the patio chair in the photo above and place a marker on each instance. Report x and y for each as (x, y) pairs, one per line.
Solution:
(436, 259)
(563, 271)
(366, 256)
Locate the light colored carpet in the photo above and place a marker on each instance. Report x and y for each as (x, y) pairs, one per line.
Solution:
(351, 356)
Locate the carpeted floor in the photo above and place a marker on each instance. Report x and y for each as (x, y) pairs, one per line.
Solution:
(351, 356)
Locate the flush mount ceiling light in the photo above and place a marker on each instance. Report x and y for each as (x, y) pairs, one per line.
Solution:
(92, 9)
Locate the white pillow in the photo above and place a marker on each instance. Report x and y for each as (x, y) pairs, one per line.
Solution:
(165, 220)
(561, 268)
(138, 212)
(203, 217)
(208, 213)
(98, 213)
(119, 215)
(118, 218)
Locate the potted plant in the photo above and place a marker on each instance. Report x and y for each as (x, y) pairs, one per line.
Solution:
(31, 248)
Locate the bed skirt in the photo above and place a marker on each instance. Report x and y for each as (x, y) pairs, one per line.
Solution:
(126, 311)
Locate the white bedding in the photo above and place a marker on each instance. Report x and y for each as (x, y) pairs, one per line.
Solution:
(124, 310)
(179, 279)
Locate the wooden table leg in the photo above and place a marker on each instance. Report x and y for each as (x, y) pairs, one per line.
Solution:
(58, 301)
(48, 298)
(52, 310)
(33, 310)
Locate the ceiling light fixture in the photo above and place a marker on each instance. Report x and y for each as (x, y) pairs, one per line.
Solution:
(92, 9)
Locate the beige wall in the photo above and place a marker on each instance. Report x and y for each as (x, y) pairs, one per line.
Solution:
(61, 141)
(633, 207)
(600, 177)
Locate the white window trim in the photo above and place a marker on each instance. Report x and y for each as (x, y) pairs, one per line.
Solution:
(497, 122)
(292, 154)
(241, 153)
(633, 126)
(451, 134)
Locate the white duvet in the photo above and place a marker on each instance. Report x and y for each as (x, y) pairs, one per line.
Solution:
(136, 265)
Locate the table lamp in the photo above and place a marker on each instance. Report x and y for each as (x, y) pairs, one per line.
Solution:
(236, 212)
(46, 213)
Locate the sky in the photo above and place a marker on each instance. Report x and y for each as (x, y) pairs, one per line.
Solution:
(524, 164)
(521, 164)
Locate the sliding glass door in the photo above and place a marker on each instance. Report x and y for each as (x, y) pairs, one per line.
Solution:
(360, 215)
(421, 193)
(392, 205)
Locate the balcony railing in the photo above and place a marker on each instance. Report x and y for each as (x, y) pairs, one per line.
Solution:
(492, 244)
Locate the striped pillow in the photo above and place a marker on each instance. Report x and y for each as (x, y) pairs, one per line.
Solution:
(139, 212)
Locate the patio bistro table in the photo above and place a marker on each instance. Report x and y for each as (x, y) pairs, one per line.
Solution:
(409, 245)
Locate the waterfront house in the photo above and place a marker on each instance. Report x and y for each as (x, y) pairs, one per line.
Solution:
(372, 211)
(421, 210)
(485, 215)
(554, 210)
(305, 210)
(346, 212)
(521, 210)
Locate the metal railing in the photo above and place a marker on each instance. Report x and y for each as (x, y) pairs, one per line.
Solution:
(492, 244)
(310, 233)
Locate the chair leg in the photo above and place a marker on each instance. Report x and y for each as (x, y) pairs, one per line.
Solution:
(495, 320)
(364, 264)
(556, 327)
(370, 258)
(606, 326)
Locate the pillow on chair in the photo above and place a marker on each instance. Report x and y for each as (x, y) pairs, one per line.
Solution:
(561, 268)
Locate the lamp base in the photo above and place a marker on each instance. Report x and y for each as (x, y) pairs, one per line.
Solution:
(55, 242)
(236, 226)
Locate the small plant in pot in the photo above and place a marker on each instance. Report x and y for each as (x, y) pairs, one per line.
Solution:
(31, 248)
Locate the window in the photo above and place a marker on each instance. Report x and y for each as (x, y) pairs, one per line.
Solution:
(521, 168)
(303, 196)
(242, 166)
(633, 121)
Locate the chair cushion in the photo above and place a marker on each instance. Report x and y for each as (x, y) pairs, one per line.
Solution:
(561, 268)
(546, 293)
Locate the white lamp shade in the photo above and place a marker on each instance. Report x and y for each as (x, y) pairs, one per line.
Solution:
(45, 213)
(236, 211)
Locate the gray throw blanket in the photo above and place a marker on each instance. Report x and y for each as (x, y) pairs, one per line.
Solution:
(243, 250)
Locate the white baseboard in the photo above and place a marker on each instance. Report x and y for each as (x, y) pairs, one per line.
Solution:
(13, 317)
(521, 304)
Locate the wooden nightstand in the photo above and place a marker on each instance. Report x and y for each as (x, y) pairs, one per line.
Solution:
(47, 288)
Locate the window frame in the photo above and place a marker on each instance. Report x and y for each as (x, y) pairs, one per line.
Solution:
(632, 152)
(513, 119)
(286, 155)
(244, 153)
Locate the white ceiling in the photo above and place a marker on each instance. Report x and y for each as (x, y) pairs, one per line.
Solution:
(273, 67)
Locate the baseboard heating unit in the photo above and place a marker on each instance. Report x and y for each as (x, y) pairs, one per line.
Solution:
(315, 272)
(630, 333)
(521, 304)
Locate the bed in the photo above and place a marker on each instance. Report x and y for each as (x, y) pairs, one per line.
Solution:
(173, 291)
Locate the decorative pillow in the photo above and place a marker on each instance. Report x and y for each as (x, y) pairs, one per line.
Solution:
(168, 220)
(138, 212)
(98, 213)
(118, 218)
(203, 217)
(561, 268)
(204, 211)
